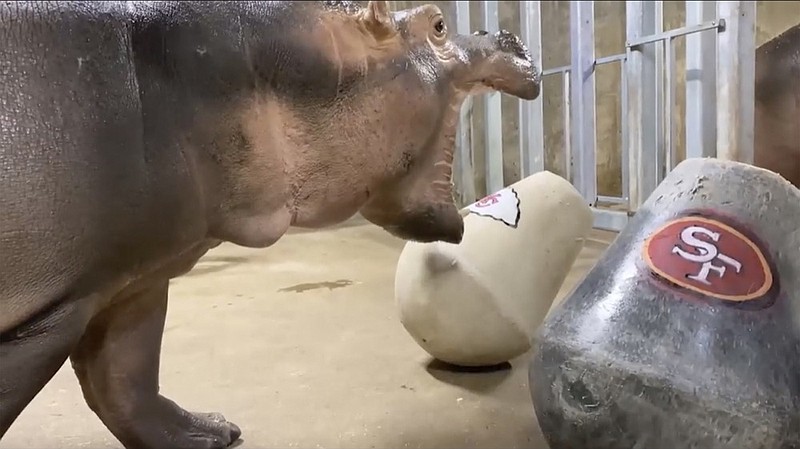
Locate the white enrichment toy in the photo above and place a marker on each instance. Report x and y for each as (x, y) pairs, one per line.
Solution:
(480, 302)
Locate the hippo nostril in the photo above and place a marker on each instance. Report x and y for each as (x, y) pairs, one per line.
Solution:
(508, 42)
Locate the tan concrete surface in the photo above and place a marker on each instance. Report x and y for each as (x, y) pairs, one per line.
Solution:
(299, 344)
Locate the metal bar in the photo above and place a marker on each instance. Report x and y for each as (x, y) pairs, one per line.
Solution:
(643, 70)
(566, 92)
(669, 111)
(701, 81)
(531, 114)
(463, 164)
(600, 61)
(609, 59)
(623, 129)
(677, 32)
(609, 220)
(624, 172)
(583, 98)
(555, 70)
(465, 160)
(610, 199)
(494, 115)
(736, 78)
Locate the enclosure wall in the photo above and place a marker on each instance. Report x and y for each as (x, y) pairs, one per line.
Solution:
(772, 18)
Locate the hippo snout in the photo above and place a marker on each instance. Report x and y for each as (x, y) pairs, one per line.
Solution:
(516, 60)
(501, 62)
(438, 222)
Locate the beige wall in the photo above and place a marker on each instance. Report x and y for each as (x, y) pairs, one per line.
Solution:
(772, 19)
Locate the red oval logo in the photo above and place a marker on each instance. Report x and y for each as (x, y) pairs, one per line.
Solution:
(709, 257)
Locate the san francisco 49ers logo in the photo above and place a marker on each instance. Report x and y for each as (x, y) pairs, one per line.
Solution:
(709, 257)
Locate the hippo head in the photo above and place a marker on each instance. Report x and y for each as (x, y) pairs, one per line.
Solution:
(417, 75)
(355, 109)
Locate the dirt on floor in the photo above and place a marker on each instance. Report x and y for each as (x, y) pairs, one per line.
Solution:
(300, 345)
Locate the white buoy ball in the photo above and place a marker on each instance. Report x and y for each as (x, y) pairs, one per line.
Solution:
(480, 302)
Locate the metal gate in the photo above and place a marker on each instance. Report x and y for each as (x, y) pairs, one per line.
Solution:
(720, 73)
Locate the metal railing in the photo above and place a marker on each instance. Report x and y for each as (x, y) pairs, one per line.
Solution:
(720, 73)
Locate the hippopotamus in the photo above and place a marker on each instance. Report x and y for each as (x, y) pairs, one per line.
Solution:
(777, 105)
(136, 136)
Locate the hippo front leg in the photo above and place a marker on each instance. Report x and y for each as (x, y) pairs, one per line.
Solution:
(117, 363)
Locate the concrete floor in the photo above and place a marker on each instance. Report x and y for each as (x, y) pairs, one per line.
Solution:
(300, 346)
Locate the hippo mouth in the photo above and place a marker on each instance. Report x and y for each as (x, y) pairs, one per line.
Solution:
(434, 216)
(442, 185)
(426, 212)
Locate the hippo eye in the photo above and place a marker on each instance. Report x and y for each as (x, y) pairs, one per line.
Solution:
(439, 27)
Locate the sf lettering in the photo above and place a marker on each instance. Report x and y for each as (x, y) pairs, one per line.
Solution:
(707, 254)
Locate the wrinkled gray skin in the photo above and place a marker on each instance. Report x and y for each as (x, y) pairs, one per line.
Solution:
(136, 136)
(777, 108)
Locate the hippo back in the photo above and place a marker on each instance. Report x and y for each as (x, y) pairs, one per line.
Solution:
(777, 108)
(76, 186)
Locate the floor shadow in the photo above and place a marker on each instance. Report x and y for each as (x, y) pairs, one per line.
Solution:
(480, 379)
(214, 264)
(330, 285)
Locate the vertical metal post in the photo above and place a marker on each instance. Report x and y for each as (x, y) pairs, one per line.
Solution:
(531, 116)
(581, 24)
(736, 78)
(494, 112)
(670, 155)
(625, 162)
(701, 82)
(463, 163)
(645, 100)
(566, 94)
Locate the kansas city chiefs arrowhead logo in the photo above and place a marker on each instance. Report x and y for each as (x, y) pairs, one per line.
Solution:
(501, 206)
(709, 257)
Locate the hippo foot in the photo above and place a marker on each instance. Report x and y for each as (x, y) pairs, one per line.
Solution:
(175, 428)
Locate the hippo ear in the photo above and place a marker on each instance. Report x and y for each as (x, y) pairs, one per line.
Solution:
(378, 19)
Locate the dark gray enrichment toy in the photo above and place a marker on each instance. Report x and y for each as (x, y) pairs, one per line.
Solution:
(686, 333)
